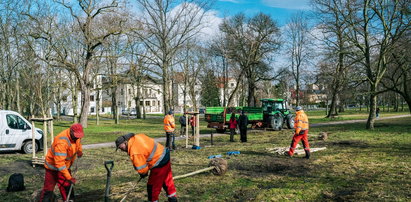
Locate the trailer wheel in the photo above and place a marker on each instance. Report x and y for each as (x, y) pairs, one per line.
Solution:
(27, 147)
(277, 122)
(220, 130)
(290, 121)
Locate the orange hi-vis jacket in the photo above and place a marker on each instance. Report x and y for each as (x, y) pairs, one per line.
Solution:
(145, 153)
(62, 153)
(300, 121)
(169, 124)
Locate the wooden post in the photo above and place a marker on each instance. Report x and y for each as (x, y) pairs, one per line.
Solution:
(197, 128)
(51, 132)
(45, 137)
(186, 132)
(32, 138)
(212, 141)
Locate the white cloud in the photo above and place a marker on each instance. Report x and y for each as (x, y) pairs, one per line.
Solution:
(211, 29)
(288, 4)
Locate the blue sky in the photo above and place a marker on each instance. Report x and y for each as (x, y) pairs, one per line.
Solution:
(280, 10)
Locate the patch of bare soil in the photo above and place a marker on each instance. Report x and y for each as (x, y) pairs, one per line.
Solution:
(94, 195)
(351, 143)
(21, 166)
(275, 165)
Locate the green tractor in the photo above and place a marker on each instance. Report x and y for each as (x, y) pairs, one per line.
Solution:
(276, 114)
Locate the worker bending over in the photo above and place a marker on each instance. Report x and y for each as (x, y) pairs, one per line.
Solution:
(148, 155)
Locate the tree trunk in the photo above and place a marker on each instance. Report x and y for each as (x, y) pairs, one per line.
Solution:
(18, 96)
(333, 106)
(373, 107)
(166, 95)
(114, 104)
(85, 101)
(144, 108)
(408, 100)
(98, 107)
(251, 100)
(75, 104)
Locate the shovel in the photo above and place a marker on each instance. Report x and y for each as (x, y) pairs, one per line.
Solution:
(108, 168)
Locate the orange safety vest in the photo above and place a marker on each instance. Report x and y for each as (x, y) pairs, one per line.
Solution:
(62, 153)
(169, 124)
(145, 153)
(300, 121)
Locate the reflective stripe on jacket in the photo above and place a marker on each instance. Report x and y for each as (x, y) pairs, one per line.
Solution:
(145, 153)
(169, 124)
(62, 153)
(300, 121)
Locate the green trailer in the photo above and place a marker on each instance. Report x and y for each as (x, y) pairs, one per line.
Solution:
(272, 114)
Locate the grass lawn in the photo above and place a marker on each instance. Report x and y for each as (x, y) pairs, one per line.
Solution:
(358, 165)
(107, 131)
(319, 116)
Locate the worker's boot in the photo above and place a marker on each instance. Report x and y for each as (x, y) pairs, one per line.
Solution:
(172, 199)
(48, 196)
(307, 154)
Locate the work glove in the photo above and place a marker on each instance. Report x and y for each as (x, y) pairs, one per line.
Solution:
(143, 175)
(73, 180)
(79, 154)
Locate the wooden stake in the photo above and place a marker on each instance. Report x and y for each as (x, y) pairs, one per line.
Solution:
(193, 173)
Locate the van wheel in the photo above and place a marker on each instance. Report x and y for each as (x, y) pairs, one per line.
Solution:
(27, 147)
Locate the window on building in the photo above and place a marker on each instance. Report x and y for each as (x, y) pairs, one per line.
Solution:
(141, 103)
(102, 109)
(129, 91)
(121, 92)
(64, 98)
(158, 103)
(154, 103)
(147, 103)
(92, 98)
(232, 84)
(92, 110)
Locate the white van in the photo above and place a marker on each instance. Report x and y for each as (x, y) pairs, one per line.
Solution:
(16, 134)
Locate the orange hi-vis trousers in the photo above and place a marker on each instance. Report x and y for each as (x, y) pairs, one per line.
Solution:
(303, 136)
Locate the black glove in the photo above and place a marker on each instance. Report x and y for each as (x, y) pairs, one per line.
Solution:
(143, 175)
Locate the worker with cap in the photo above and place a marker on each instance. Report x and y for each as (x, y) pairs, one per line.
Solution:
(61, 155)
(148, 155)
(301, 132)
(169, 127)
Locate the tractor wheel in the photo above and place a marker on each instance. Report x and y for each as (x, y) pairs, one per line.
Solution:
(277, 122)
(290, 121)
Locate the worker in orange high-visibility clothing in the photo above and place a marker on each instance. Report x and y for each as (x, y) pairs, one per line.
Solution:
(169, 127)
(61, 155)
(301, 132)
(148, 155)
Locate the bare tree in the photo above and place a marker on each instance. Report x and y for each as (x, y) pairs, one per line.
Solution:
(398, 77)
(299, 48)
(250, 42)
(90, 35)
(374, 27)
(166, 29)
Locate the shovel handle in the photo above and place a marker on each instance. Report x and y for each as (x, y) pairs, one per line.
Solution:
(109, 168)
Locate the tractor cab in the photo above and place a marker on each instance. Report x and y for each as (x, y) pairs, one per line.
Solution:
(276, 114)
(273, 106)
